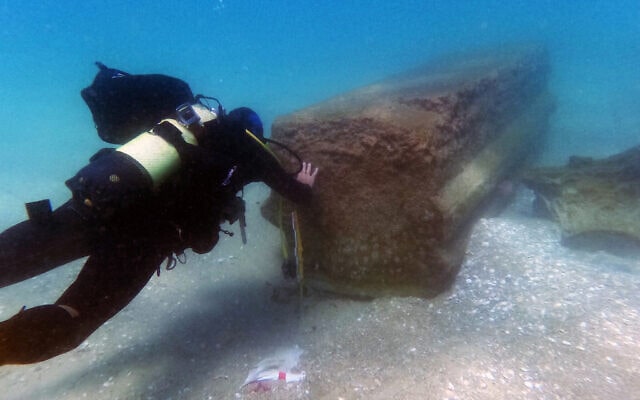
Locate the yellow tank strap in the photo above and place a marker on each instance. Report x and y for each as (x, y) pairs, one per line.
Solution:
(187, 135)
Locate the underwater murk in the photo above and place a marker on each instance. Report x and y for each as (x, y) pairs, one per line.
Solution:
(527, 318)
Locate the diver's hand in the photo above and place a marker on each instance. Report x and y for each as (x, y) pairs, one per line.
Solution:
(306, 176)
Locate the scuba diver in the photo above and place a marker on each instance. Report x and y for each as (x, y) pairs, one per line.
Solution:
(159, 193)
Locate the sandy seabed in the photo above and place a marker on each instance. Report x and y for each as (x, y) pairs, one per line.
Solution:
(526, 319)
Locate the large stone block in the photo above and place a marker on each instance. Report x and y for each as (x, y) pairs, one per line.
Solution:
(406, 163)
(592, 200)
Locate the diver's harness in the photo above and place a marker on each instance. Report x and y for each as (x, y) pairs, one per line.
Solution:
(116, 179)
(126, 109)
(123, 177)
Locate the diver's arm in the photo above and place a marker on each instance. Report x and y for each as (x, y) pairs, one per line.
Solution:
(296, 189)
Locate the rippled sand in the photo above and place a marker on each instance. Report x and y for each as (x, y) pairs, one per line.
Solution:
(526, 319)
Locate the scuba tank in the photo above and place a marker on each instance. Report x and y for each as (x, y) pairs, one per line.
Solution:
(158, 157)
(119, 178)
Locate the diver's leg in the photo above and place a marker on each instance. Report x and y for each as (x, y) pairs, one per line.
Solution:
(35, 335)
(108, 281)
(30, 248)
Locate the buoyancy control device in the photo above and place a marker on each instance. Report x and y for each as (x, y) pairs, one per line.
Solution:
(123, 105)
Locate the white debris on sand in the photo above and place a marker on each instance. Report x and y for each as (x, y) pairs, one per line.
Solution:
(526, 319)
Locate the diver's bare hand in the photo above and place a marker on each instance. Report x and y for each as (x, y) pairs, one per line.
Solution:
(306, 176)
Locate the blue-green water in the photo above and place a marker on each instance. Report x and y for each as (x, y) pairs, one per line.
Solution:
(282, 55)
(279, 56)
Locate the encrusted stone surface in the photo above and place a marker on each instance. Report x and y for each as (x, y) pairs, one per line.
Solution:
(406, 163)
(589, 197)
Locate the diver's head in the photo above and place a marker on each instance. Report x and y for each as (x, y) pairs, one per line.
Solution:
(247, 119)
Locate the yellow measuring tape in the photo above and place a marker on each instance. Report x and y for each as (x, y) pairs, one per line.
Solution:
(295, 225)
(297, 247)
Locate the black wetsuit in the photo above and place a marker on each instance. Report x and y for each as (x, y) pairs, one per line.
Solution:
(127, 249)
